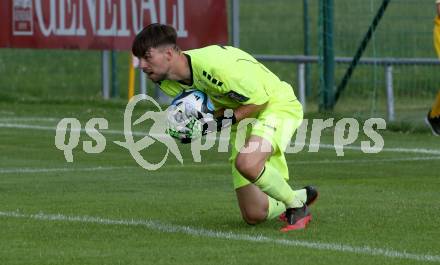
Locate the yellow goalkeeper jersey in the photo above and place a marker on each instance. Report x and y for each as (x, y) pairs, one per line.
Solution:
(231, 77)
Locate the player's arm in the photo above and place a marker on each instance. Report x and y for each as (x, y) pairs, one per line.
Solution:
(226, 118)
(243, 111)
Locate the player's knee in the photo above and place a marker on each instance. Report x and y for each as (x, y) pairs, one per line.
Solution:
(254, 217)
(248, 167)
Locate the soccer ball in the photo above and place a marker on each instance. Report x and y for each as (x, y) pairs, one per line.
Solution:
(187, 114)
(194, 98)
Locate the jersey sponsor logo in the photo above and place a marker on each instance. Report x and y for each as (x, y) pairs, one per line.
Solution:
(212, 79)
(237, 96)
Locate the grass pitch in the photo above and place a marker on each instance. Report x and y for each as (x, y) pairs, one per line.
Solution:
(105, 209)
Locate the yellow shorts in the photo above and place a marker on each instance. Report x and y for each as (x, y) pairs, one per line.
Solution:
(276, 123)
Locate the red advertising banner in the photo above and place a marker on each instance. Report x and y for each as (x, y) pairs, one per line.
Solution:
(108, 24)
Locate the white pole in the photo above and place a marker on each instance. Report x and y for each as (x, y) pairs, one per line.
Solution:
(301, 73)
(390, 92)
(142, 83)
(105, 73)
(236, 23)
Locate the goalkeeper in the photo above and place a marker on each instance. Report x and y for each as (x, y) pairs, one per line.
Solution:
(235, 81)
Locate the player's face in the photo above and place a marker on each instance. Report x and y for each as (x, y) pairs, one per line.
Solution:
(156, 63)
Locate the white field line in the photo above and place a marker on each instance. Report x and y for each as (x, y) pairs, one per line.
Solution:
(396, 150)
(366, 161)
(227, 235)
(61, 169)
(6, 112)
(51, 128)
(173, 166)
(21, 119)
(324, 146)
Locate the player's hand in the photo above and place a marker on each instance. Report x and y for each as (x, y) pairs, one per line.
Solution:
(206, 121)
(224, 119)
(215, 124)
(184, 138)
(182, 125)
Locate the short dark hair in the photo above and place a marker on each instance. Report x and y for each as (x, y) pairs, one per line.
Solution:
(152, 36)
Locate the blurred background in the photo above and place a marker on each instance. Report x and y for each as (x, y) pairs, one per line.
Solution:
(401, 44)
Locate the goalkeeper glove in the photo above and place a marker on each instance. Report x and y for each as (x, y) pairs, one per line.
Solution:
(211, 124)
(182, 126)
(187, 123)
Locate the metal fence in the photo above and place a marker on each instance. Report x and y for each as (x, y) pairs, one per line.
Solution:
(398, 76)
(399, 67)
(387, 64)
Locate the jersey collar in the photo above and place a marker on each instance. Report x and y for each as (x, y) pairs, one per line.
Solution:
(190, 69)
